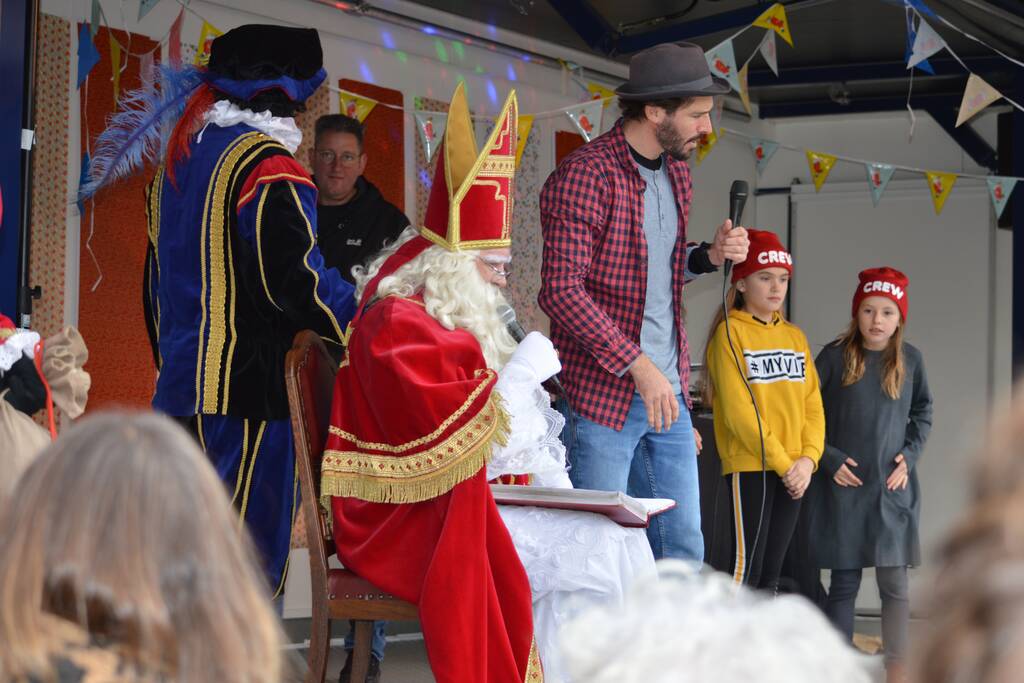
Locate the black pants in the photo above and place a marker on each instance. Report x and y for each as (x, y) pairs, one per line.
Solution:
(759, 567)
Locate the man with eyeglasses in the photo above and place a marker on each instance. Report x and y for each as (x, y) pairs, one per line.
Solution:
(353, 218)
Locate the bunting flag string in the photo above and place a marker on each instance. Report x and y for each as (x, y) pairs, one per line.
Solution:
(522, 133)
(940, 185)
(774, 19)
(206, 36)
(431, 125)
(977, 95)
(821, 165)
(999, 189)
(356, 106)
(706, 143)
(763, 151)
(879, 176)
(587, 118)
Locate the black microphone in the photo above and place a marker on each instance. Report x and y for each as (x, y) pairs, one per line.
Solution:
(737, 199)
(508, 316)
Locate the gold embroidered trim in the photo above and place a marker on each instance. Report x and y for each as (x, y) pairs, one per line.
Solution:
(316, 278)
(448, 422)
(203, 403)
(534, 670)
(269, 179)
(156, 192)
(252, 468)
(259, 247)
(233, 289)
(419, 477)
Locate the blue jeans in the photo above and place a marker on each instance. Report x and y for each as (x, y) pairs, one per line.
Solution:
(645, 464)
(377, 643)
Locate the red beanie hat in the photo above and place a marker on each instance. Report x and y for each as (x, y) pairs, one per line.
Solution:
(766, 251)
(884, 281)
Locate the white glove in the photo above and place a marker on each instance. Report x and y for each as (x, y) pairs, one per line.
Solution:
(537, 353)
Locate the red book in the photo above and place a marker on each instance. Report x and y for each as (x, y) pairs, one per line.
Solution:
(617, 506)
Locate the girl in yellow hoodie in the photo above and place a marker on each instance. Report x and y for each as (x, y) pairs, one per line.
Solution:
(769, 461)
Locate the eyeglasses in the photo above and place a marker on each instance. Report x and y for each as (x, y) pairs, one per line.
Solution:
(500, 268)
(328, 157)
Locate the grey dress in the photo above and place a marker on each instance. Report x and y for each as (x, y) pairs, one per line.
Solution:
(869, 526)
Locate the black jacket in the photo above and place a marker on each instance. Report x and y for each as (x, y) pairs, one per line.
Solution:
(352, 233)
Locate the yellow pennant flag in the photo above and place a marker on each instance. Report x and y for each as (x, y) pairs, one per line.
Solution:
(977, 95)
(206, 36)
(523, 132)
(821, 165)
(355, 106)
(744, 92)
(115, 66)
(774, 18)
(939, 184)
(706, 142)
(599, 92)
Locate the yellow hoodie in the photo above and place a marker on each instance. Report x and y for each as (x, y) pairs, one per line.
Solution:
(780, 369)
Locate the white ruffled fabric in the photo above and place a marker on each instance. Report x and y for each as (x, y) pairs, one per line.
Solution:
(574, 560)
(282, 129)
(21, 343)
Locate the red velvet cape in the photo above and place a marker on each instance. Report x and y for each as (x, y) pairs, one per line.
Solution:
(412, 426)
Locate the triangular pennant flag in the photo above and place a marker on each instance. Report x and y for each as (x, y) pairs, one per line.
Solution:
(88, 55)
(587, 118)
(923, 65)
(1000, 188)
(431, 127)
(767, 50)
(821, 165)
(355, 106)
(94, 18)
(704, 145)
(600, 92)
(145, 6)
(926, 43)
(722, 62)
(174, 39)
(716, 112)
(879, 176)
(83, 178)
(977, 95)
(525, 124)
(206, 36)
(763, 151)
(939, 184)
(744, 89)
(115, 67)
(774, 18)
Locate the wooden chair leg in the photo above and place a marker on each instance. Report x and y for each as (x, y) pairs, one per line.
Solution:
(319, 645)
(361, 652)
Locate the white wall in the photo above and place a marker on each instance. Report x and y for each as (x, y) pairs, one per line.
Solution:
(827, 261)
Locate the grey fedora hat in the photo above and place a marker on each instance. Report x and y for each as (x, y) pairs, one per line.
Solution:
(670, 70)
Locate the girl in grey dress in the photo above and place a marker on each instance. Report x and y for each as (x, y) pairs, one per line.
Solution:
(878, 412)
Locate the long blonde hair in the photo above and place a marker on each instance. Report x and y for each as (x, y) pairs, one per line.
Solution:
(734, 302)
(893, 368)
(123, 528)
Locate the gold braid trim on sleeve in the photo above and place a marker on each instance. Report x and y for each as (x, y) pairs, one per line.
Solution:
(534, 670)
(423, 475)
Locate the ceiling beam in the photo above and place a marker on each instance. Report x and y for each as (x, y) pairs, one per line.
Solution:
(823, 107)
(870, 71)
(723, 21)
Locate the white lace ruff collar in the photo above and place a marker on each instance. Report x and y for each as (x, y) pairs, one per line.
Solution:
(282, 129)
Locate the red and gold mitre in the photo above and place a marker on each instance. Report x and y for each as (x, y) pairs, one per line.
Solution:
(470, 205)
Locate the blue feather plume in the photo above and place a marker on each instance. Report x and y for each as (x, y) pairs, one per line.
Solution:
(139, 131)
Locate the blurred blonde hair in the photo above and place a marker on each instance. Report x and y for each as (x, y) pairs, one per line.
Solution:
(123, 528)
(976, 615)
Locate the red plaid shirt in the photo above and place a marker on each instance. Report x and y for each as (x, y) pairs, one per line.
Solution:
(594, 273)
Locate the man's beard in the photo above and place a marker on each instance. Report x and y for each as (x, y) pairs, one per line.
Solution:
(671, 141)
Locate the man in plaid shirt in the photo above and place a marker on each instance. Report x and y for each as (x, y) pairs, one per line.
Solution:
(614, 216)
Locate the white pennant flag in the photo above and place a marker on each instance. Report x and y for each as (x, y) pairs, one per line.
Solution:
(587, 118)
(999, 189)
(926, 43)
(763, 151)
(722, 62)
(431, 127)
(767, 50)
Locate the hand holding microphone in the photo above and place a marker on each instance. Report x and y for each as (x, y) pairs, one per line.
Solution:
(731, 243)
